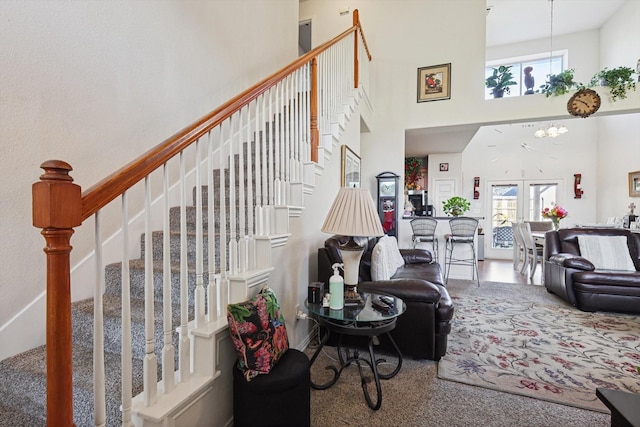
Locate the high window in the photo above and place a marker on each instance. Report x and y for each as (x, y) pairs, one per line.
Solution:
(539, 70)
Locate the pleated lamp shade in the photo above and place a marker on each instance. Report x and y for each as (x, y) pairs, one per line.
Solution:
(353, 213)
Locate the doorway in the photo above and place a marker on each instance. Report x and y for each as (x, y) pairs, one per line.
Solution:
(515, 201)
(304, 37)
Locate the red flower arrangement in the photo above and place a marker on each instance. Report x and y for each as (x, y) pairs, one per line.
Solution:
(555, 214)
(411, 172)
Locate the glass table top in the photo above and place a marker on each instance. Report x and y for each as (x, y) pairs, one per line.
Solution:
(361, 313)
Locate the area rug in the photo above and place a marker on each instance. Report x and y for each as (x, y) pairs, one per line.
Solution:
(544, 351)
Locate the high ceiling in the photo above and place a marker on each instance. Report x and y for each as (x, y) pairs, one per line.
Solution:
(514, 21)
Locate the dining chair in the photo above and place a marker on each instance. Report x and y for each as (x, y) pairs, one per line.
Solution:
(534, 252)
(519, 251)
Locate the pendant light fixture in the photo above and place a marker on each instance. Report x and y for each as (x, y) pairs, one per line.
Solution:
(551, 131)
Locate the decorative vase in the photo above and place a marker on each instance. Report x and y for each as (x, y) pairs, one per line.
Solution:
(556, 223)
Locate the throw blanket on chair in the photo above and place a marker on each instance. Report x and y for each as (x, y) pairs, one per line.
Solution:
(385, 258)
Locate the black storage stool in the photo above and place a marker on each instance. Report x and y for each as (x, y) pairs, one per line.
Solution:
(281, 398)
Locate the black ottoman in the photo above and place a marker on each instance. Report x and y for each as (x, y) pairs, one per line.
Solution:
(281, 398)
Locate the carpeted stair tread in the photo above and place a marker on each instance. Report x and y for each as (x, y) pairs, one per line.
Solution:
(82, 320)
(29, 370)
(113, 275)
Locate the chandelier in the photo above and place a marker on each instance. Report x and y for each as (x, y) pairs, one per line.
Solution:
(551, 131)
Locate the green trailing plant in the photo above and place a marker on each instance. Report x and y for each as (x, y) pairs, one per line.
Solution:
(559, 84)
(617, 79)
(500, 81)
(456, 206)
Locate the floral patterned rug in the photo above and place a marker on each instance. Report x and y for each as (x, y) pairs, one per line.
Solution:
(547, 352)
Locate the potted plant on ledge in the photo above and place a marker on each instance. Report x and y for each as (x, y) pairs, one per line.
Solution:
(455, 206)
(559, 84)
(500, 81)
(618, 79)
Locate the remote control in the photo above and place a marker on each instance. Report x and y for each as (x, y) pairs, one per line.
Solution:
(380, 306)
(387, 300)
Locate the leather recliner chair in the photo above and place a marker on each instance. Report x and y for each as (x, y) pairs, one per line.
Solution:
(421, 332)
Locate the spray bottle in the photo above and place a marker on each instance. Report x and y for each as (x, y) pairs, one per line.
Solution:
(336, 288)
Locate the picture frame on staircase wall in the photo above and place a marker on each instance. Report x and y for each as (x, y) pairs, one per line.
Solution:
(349, 168)
(634, 184)
(434, 83)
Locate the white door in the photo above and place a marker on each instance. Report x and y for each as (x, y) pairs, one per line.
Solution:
(443, 190)
(515, 201)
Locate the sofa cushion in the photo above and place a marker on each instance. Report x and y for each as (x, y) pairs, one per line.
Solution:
(385, 259)
(606, 252)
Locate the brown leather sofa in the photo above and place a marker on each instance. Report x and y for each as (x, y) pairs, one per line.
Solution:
(421, 332)
(576, 280)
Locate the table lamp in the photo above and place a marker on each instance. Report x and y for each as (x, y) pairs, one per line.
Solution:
(352, 214)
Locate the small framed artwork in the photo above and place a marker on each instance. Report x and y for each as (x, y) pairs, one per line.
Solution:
(634, 184)
(434, 83)
(349, 168)
(444, 167)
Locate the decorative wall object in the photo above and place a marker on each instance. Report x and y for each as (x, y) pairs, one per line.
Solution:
(577, 186)
(476, 188)
(434, 83)
(444, 167)
(634, 184)
(349, 168)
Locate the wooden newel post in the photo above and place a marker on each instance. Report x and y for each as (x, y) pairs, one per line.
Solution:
(315, 134)
(57, 208)
(356, 22)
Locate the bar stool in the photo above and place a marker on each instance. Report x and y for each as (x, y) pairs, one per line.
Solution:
(424, 230)
(463, 231)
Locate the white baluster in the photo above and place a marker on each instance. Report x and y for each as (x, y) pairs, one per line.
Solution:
(150, 362)
(199, 291)
(125, 296)
(212, 288)
(251, 163)
(184, 346)
(242, 248)
(99, 405)
(233, 243)
(224, 288)
(168, 352)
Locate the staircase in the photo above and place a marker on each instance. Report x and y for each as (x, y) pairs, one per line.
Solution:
(29, 369)
(177, 320)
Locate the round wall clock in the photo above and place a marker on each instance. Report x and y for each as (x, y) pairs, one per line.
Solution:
(584, 103)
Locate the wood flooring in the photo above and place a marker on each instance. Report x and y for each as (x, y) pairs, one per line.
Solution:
(498, 270)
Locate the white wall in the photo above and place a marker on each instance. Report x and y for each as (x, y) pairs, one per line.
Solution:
(97, 83)
(619, 136)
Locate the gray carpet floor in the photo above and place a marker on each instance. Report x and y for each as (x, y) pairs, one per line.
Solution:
(417, 397)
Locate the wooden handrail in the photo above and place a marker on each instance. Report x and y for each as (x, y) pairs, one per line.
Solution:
(100, 194)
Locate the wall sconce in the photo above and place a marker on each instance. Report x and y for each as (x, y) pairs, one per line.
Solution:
(476, 187)
(577, 186)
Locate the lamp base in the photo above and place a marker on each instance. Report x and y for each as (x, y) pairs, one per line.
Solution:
(351, 296)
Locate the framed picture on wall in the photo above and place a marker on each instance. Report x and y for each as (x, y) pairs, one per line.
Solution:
(434, 83)
(349, 168)
(634, 184)
(444, 167)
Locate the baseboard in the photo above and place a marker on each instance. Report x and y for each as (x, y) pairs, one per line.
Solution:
(25, 330)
